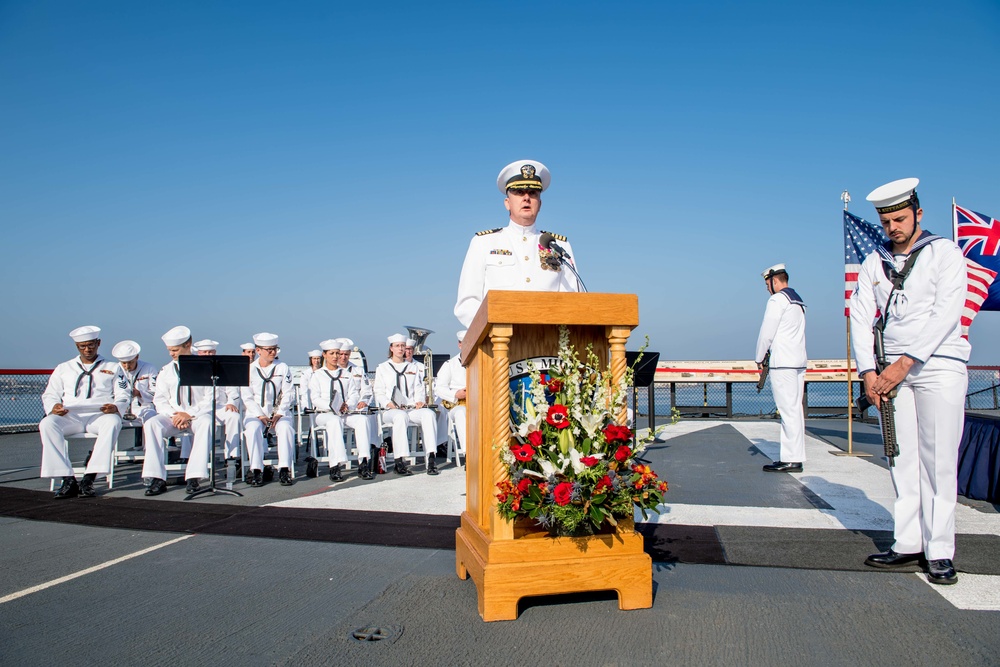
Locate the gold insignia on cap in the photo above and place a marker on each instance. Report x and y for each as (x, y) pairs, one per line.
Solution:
(528, 171)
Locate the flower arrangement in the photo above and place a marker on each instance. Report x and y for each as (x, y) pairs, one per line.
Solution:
(571, 467)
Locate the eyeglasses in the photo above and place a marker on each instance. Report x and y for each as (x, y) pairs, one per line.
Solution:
(520, 192)
(268, 349)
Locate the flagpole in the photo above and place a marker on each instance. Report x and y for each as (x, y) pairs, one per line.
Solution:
(954, 222)
(845, 196)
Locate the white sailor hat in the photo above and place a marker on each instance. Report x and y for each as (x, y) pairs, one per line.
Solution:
(264, 339)
(895, 196)
(247, 346)
(771, 270)
(127, 350)
(410, 342)
(461, 334)
(176, 336)
(524, 175)
(206, 344)
(83, 334)
(331, 344)
(346, 343)
(397, 338)
(315, 353)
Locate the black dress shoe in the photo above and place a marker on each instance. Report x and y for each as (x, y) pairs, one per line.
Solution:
(336, 473)
(781, 466)
(401, 467)
(87, 486)
(891, 559)
(69, 489)
(284, 477)
(258, 478)
(157, 487)
(432, 468)
(442, 450)
(365, 470)
(941, 571)
(192, 485)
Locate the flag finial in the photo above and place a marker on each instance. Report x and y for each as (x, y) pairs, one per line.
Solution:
(845, 197)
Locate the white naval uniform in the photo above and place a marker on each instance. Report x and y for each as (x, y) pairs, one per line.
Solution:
(302, 390)
(258, 400)
(924, 323)
(330, 392)
(407, 377)
(143, 381)
(367, 396)
(783, 331)
(507, 259)
(449, 380)
(82, 389)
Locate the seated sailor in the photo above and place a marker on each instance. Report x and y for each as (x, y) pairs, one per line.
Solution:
(449, 387)
(331, 392)
(400, 392)
(267, 402)
(81, 396)
(361, 415)
(227, 405)
(137, 378)
(302, 393)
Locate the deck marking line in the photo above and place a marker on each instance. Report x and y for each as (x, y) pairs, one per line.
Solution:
(95, 568)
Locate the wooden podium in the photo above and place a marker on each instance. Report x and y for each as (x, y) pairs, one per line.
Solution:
(508, 561)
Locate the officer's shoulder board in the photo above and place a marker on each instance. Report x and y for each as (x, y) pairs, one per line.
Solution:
(557, 237)
(489, 231)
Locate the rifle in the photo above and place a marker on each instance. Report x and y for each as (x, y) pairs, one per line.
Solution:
(887, 411)
(765, 367)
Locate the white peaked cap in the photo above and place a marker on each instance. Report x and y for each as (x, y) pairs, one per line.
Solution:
(893, 196)
(127, 350)
(461, 334)
(265, 339)
(527, 174)
(410, 342)
(83, 334)
(777, 268)
(176, 336)
(397, 338)
(332, 344)
(247, 346)
(315, 353)
(207, 344)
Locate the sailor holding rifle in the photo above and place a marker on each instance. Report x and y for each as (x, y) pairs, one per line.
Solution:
(916, 283)
(519, 256)
(783, 334)
(81, 396)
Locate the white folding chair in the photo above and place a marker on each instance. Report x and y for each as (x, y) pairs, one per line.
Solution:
(350, 444)
(81, 470)
(455, 447)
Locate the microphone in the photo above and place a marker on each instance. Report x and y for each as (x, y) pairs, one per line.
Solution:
(547, 241)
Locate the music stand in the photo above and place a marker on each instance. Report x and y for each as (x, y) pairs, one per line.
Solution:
(644, 375)
(225, 370)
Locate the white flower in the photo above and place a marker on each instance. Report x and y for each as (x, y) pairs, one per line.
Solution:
(591, 423)
(530, 424)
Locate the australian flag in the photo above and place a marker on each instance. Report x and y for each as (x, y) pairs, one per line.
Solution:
(860, 238)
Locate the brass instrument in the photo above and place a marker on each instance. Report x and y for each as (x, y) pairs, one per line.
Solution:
(420, 335)
(452, 404)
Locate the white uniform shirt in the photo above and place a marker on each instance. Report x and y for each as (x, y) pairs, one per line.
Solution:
(925, 318)
(84, 387)
(278, 381)
(143, 379)
(507, 259)
(450, 379)
(305, 403)
(406, 376)
(783, 331)
(328, 390)
(171, 398)
(367, 395)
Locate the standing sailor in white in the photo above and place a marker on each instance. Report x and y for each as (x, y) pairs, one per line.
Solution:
(332, 390)
(137, 378)
(364, 422)
(400, 392)
(511, 257)
(81, 396)
(178, 409)
(269, 395)
(783, 332)
(923, 342)
(449, 388)
(227, 411)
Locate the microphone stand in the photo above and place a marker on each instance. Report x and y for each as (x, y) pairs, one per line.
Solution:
(564, 260)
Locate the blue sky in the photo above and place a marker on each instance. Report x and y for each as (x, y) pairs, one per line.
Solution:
(317, 169)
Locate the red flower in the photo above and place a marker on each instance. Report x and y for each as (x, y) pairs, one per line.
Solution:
(622, 453)
(554, 386)
(615, 433)
(662, 486)
(522, 452)
(523, 485)
(589, 461)
(558, 416)
(563, 492)
(536, 438)
(605, 483)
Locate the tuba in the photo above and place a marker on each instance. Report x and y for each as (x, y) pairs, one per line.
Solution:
(420, 335)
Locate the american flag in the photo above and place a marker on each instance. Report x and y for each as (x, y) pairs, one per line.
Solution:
(860, 238)
(978, 236)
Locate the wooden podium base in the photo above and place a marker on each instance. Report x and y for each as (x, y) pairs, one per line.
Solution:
(534, 563)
